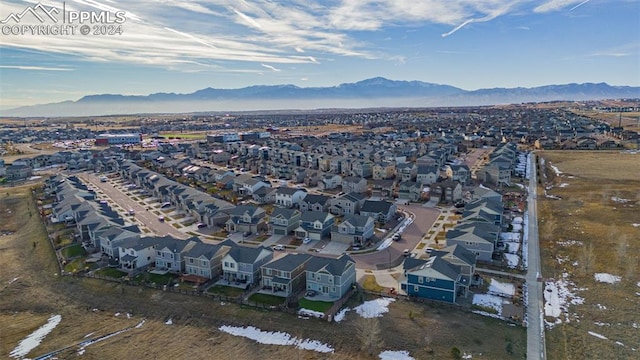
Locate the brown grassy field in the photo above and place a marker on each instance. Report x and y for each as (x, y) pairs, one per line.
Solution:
(88, 306)
(600, 197)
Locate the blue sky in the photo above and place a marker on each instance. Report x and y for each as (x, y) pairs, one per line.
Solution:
(183, 46)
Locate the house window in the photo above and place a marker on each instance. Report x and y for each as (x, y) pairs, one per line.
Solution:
(415, 288)
(158, 253)
(420, 279)
(190, 261)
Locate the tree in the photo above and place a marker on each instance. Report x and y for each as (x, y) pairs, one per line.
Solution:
(368, 331)
(587, 258)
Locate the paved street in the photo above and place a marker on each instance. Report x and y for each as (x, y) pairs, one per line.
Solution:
(536, 348)
(149, 219)
(422, 222)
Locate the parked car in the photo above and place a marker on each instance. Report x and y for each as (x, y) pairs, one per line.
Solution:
(165, 205)
(396, 237)
(201, 225)
(428, 250)
(132, 212)
(278, 247)
(306, 240)
(161, 218)
(406, 252)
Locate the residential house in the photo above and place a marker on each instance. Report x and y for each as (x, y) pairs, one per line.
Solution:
(383, 188)
(447, 191)
(480, 238)
(110, 238)
(289, 197)
(484, 210)
(330, 278)
(314, 225)
(435, 279)
(354, 184)
(315, 202)
(283, 221)
(384, 170)
(330, 182)
(459, 173)
(411, 191)
(380, 210)
(460, 256)
(136, 253)
(265, 195)
(205, 260)
(170, 254)
(18, 172)
(363, 169)
(407, 171)
(427, 175)
(245, 218)
(246, 184)
(354, 230)
(285, 276)
(347, 204)
(242, 264)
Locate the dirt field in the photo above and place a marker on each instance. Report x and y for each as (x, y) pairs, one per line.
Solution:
(593, 228)
(89, 306)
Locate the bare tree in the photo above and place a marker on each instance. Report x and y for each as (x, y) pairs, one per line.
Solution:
(368, 331)
(587, 258)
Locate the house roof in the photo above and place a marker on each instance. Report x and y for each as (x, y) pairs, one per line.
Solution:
(288, 190)
(439, 265)
(313, 216)
(246, 255)
(288, 262)
(284, 213)
(375, 206)
(316, 199)
(458, 251)
(358, 220)
(335, 267)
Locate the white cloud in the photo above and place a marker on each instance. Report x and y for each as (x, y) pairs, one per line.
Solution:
(555, 5)
(34, 68)
(273, 68)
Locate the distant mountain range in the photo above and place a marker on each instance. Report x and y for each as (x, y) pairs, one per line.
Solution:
(369, 93)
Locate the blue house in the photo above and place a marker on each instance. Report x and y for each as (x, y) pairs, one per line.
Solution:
(435, 279)
(330, 278)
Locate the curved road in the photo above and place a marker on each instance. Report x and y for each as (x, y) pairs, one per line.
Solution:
(423, 219)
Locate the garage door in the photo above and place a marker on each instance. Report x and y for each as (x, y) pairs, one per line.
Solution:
(279, 232)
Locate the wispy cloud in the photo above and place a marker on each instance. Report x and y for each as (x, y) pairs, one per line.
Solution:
(556, 5)
(34, 68)
(272, 68)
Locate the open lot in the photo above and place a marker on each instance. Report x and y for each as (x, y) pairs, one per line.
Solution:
(590, 237)
(31, 291)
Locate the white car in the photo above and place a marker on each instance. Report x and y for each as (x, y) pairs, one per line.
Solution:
(278, 247)
(306, 240)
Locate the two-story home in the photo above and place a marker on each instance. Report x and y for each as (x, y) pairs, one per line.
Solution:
(347, 204)
(384, 170)
(245, 218)
(330, 278)
(285, 276)
(246, 184)
(330, 182)
(265, 195)
(136, 253)
(406, 171)
(205, 260)
(480, 238)
(170, 253)
(354, 184)
(283, 221)
(434, 279)
(460, 256)
(459, 173)
(315, 202)
(447, 191)
(241, 265)
(484, 210)
(354, 230)
(380, 210)
(411, 191)
(427, 175)
(289, 197)
(314, 225)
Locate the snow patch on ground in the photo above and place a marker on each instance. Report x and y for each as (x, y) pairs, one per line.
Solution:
(598, 335)
(13, 280)
(563, 185)
(619, 200)
(500, 288)
(513, 247)
(374, 308)
(556, 170)
(35, 338)
(509, 236)
(607, 278)
(558, 295)
(341, 314)
(169, 322)
(490, 301)
(276, 338)
(635, 225)
(312, 313)
(516, 227)
(570, 243)
(512, 260)
(395, 355)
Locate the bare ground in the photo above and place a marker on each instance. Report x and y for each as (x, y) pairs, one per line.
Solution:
(598, 207)
(88, 306)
